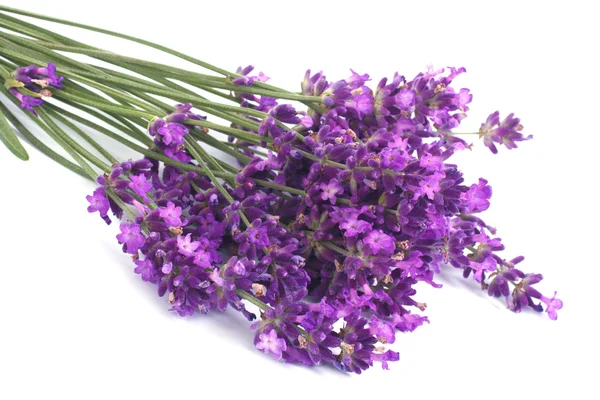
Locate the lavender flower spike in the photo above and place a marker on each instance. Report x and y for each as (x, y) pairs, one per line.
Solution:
(506, 132)
(36, 80)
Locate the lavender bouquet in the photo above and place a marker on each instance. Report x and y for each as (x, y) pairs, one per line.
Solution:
(313, 213)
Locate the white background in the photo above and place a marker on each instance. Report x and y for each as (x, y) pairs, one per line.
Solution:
(77, 323)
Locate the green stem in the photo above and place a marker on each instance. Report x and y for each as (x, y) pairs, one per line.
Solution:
(104, 106)
(209, 159)
(136, 40)
(336, 248)
(238, 133)
(226, 115)
(228, 168)
(134, 134)
(35, 142)
(95, 73)
(44, 34)
(84, 92)
(244, 147)
(49, 128)
(281, 188)
(64, 137)
(213, 178)
(22, 27)
(212, 107)
(109, 157)
(134, 82)
(202, 82)
(247, 296)
(217, 144)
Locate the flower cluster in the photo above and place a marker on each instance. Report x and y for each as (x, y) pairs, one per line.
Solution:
(506, 132)
(333, 215)
(336, 214)
(169, 132)
(36, 80)
(189, 240)
(383, 207)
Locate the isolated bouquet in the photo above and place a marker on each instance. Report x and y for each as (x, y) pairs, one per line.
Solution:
(314, 214)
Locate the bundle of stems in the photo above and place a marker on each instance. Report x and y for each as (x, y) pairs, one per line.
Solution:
(330, 213)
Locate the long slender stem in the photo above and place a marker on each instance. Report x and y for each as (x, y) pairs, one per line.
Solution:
(44, 34)
(38, 144)
(217, 144)
(136, 40)
(214, 180)
(50, 131)
(153, 88)
(139, 87)
(245, 147)
(247, 296)
(336, 248)
(72, 144)
(134, 134)
(109, 157)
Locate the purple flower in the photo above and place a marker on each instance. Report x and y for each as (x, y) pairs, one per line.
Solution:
(552, 305)
(131, 238)
(408, 322)
(35, 80)
(405, 99)
(362, 102)
(285, 113)
(338, 281)
(331, 190)
(266, 103)
(379, 243)
(140, 185)
(171, 214)
(167, 268)
(477, 197)
(463, 98)
(351, 225)
(384, 357)
(506, 132)
(203, 259)
(430, 185)
(337, 93)
(488, 264)
(394, 159)
(50, 75)
(186, 246)
(257, 234)
(524, 292)
(172, 133)
(270, 343)
(145, 269)
(177, 154)
(357, 80)
(215, 276)
(357, 349)
(248, 80)
(430, 162)
(98, 202)
(383, 331)
(27, 102)
(306, 121)
(499, 284)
